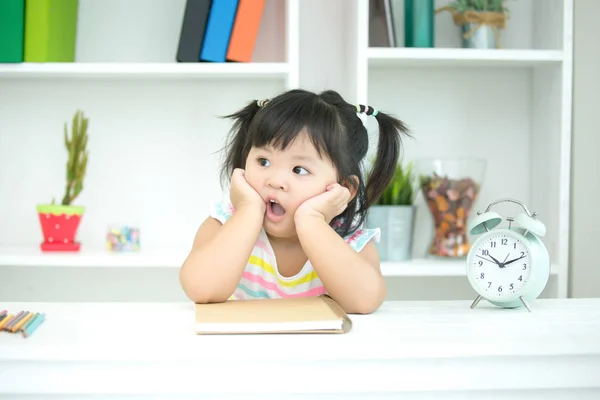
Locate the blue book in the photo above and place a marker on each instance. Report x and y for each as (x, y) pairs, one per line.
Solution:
(218, 30)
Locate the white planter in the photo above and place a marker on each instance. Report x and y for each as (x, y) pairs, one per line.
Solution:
(396, 223)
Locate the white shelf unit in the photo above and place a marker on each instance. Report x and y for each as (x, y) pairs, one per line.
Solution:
(155, 128)
(511, 106)
(155, 131)
(32, 257)
(276, 70)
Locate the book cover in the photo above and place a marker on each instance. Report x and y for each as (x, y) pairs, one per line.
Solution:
(193, 27)
(317, 314)
(245, 30)
(218, 30)
(50, 30)
(12, 16)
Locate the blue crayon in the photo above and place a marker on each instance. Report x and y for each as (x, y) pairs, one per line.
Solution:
(32, 327)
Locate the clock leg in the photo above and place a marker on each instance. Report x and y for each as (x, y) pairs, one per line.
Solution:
(524, 303)
(476, 301)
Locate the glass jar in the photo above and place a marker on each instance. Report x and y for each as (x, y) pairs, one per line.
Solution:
(450, 187)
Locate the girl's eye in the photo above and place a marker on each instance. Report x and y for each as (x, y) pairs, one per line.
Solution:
(300, 171)
(264, 162)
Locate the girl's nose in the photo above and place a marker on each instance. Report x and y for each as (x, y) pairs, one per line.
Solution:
(277, 182)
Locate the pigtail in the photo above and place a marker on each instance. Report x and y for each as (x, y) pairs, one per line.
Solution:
(237, 139)
(388, 151)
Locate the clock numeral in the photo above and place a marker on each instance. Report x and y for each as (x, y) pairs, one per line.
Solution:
(485, 252)
(489, 284)
(514, 245)
(482, 275)
(521, 278)
(480, 263)
(511, 287)
(524, 267)
(493, 244)
(499, 288)
(522, 254)
(504, 242)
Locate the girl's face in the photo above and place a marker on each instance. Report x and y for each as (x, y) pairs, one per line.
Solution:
(287, 178)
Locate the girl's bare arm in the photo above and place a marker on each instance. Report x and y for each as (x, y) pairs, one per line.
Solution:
(219, 254)
(352, 278)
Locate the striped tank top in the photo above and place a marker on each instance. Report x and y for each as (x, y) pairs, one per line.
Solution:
(261, 279)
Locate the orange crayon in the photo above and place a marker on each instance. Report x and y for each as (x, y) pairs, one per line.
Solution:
(5, 320)
(22, 322)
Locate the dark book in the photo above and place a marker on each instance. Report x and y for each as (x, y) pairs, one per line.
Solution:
(193, 27)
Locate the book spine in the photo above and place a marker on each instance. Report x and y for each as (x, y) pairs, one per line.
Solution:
(50, 30)
(218, 30)
(12, 16)
(245, 30)
(193, 27)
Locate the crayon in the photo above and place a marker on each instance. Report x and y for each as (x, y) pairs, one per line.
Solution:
(30, 321)
(3, 313)
(22, 322)
(13, 319)
(31, 328)
(5, 320)
(16, 321)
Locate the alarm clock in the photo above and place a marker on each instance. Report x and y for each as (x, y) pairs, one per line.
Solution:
(509, 266)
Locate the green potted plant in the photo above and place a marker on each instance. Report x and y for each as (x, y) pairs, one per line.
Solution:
(59, 222)
(480, 21)
(394, 213)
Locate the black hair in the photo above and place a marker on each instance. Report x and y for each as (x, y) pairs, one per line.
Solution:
(335, 130)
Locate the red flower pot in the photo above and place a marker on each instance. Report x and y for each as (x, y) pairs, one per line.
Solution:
(59, 225)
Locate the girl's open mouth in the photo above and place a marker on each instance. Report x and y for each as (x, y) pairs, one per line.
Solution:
(275, 208)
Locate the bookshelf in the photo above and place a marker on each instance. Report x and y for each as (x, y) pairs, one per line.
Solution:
(450, 98)
(278, 71)
(32, 257)
(155, 129)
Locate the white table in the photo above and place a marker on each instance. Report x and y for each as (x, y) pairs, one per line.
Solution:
(423, 350)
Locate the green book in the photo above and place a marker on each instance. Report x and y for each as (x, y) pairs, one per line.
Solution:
(50, 30)
(11, 30)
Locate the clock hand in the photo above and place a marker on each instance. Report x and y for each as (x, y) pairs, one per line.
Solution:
(505, 258)
(501, 265)
(486, 259)
(512, 261)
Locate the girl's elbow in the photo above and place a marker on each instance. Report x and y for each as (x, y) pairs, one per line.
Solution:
(372, 300)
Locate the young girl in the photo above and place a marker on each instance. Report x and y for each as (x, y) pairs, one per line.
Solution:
(298, 201)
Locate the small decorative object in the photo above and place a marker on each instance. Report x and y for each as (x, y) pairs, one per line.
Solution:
(123, 238)
(450, 187)
(419, 23)
(480, 21)
(394, 213)
(508, 266)
(59, 222)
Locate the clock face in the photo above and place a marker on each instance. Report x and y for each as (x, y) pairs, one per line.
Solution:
(500, 265)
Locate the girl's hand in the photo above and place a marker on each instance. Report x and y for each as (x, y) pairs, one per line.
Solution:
(243, 195)
(326, 205)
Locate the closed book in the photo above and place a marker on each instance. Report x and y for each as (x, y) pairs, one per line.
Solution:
(50, 30)
(317, 314)
(218, 30)
(192, 30)
(12, 16)
(245, 30)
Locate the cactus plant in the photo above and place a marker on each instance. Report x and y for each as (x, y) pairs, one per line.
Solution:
(59, 222)
(77, 157)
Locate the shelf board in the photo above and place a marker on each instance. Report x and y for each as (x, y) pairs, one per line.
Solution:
(33, 257)
(441, 57)
(144, 70)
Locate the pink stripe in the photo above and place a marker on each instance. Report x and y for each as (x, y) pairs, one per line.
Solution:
(271, 286)
(261, 244)
(353, 237)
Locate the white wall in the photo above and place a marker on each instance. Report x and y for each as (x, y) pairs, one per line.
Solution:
(585, 213)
